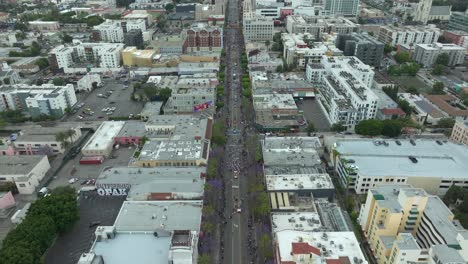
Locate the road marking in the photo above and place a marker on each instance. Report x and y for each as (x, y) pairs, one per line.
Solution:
(235, 187)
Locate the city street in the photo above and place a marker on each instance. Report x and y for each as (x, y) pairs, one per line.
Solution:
(234, 248)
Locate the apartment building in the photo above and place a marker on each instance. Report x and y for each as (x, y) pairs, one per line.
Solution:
(432, 165)
(402, 224)
(460, 132)
(318, 25)
(201, 38)
(44, 26)
(101, 55)
(408, 35)
(348, 8)
(458, 21)
(109, 31)
(134, 38)
(344, 89)
(46, 99)
(256, 27)
(426, 54)
(364, 47)
(276, 112)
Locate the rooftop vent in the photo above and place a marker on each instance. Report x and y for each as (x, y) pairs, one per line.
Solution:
(413, 159)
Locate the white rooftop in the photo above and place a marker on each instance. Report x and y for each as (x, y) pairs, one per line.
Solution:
(332, 245)
(104, 135)
(299, 221)
(298, 182)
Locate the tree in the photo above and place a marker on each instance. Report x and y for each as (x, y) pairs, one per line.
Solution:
(218, 137)
(169, 7)
(70, 133)
(165, 94)
(35, 49)
(67, 38)
(136, 86)
(438, 88)
(443, 39)
(310, 128)
(212, 170)
(371, 127)
(405, 106)
(446, 122)
(265, 246)
(92, 21)
(279, 68)
(261, 206)
(42, 63)
(267, 44)
(338, 127)
(62, 138)
(392, 92)
(402, 57)
(438, 69)
(6, 81)
(412, 90)
(388, 49)
(391, 128)
(58, 81)
(204, 259)
(443, 59)
(411, 68)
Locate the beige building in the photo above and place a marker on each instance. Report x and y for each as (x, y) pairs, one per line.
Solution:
(402, 223)
(131, 56)
(25, 171)
(460, 132)
(43, 140)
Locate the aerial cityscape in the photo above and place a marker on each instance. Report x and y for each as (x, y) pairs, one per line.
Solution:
(233, 131)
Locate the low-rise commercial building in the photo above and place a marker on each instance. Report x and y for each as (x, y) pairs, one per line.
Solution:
(446, 103)
(36, 140)
(151, 109)
(46, 99)
(316, 185)
(276, 112)
(408, 35)
(263, 83)
(423, 111)
(149, 232)
(460, 132)
(169, 44)
(457, 37)
(344, 89)
(402, 223)
(26, 65)
(152, 184)
(89, 82)
(131, 133)
(102, 141)
(434, 166)
(44, 26)
(132, 56)
(427, 54)
(364, 47)
(25, 171)
(316, 26)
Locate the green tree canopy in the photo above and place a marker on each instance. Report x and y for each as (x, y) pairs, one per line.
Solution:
(371, 127)
(391, 128)
(443, 59)
(310, 128)
(338, 127)
(446, 122)
(438, 69)
(42, 63)
(438, 88)
(58, 81)
(402, 57)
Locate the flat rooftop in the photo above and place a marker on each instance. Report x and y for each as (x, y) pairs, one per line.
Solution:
(329, 245)
(127, 248)
(447, 160)
(172, 150)
(141, 216)
(151, 108)
(298, 182)
(104, 135)
(178, 127)
(39, 134)
(18, 165)
(132, 129)
(298, 221)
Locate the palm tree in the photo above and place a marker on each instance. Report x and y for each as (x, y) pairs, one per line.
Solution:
(70, 134)
(62, 138)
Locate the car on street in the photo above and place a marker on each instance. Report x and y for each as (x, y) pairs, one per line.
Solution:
(239, 210)
(72, 180)
(236, 174)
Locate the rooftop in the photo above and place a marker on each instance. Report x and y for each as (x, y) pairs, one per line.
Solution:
(444, 103)
(374, 158)
(328, 245)
(19, 165)
(299, 221)
(179, 127)
(104, 135)
(151, 108)
(440, 46)
(273, 101)
(40, 134)
(132, 129)
(150, 216)
(298, 182)
(446, 254)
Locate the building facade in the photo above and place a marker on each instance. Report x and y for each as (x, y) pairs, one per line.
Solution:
(364, 47)
(202, 38)
(25, 171)
(458, 21)
(256, 27)
(109, 31)
(460, 132)
(46, 99)
(134, 38)
(427, 54)
(348, 8)
(318, 25)
(344, 89)
(408, 35)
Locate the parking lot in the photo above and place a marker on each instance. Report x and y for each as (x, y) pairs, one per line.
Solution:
(68, 248)
(73, 168)
(118, 97)
(314, 114)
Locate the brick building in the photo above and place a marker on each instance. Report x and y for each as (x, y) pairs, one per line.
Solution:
(201, 38)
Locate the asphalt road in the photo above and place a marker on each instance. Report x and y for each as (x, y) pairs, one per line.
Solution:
(235, 249)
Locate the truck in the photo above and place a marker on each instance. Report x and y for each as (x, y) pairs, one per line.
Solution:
(91, 160)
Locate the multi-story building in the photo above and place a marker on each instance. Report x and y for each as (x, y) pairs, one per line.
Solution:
(201, 38)
(131, 56)
(318, 25)
(427, 54)
(102, 55)
(44, 26)
(344, 89)
(460, 132)
(422, 11)
(110, 31)
(457, 37)
(25, 171)
(364, 47)
(42, 140)
(169, 44)
(299, 50)
(408, 35)
(276, 112)
(362, 164)
(46, 99)
(102, 141)
(129, 25)
(403, 223)
(88, 82)
(134, 38)
(256, 27)
(341, 7)
(458, 21)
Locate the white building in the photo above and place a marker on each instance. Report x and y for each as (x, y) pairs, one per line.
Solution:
(102, 141)
(344, 89)
(319, 25)
(149, 232)
(426, 54)
(46, 99)
(256, 28)
(110, 31)
(136, 24)
(104, 56)
(429, 164)
(86, 82)
(422, 11)
(408, 35)
(25, 171)
(35, 140)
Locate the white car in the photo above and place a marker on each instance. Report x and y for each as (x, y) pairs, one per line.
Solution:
(239, 210)
(72, 180)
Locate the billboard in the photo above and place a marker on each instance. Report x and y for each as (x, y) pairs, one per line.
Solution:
(202, 106)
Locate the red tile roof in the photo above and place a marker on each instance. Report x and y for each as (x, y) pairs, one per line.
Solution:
(340, 260)
(393, 111)
(304, 248)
